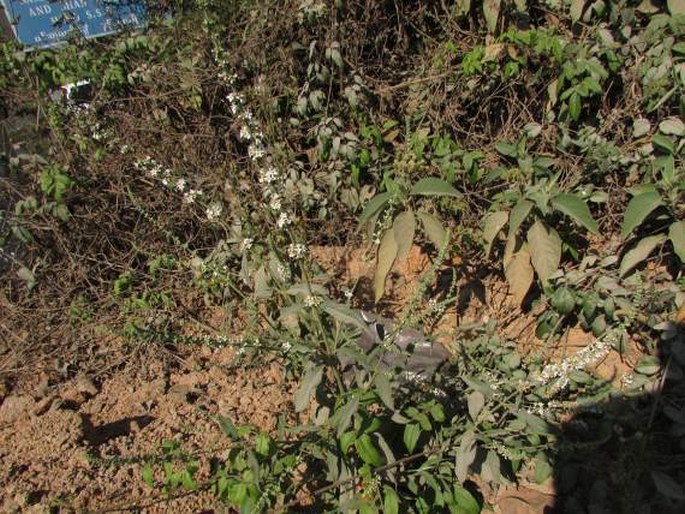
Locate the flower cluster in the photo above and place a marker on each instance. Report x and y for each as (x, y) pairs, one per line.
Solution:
(297, 251)
(557, 375)
(154, 170)
(312, 301)
(271, 180)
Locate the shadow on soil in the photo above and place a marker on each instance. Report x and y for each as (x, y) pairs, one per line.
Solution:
(103, 433)
(627, 455)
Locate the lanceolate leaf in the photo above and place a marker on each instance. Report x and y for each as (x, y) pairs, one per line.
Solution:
(519, 273)
(640, 252)
(465, 501)
(412, 431)
(639, 207)
(545, 249)
(475, 402)
(404, 227)
(676, 6)
(492, 224)
(434, 229)
(432, 186)
(677, 234)
(668, 486)
(311, 380)
(344, 314)
(391, 502)
(518, 214)
(577, 10)
(574, 207)
(387, 251)
(367, 450)
(491, 13)
(466, 454)
(374, 205)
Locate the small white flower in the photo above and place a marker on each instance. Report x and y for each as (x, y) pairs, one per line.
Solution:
(245, 133)
(286, 346)
(275, 202)
(256, 151)
(283, 220)
(214, 211)
(312, 301)
(268, 175)
(190, 196)
(283, 272)
(181, 184)
(297, 251)
(246, 244)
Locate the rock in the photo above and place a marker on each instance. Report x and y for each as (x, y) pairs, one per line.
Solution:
(14, 407)
(86, 386)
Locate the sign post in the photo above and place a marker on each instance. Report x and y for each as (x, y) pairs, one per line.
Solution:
(44, 23)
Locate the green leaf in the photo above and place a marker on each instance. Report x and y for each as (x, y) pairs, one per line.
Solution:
(148, 474)
(262, 443)
(384, 390)
(492, 224)
(466, 455)
(639, 207)
(391, 502)
(476, 402)
(677, 234)
(404, 227)
(545, 249)
(543, 470)
(432, 186)
(577, 7)
(640, 252)
(563, 301)
(664, 143)
(344, 314)
(672, 127)
(434, 229)
(387, 252)
(367, 450)
(373, 206)
(641, 127)
(676, 6)
(491, 12)
(648, 365)
(575, 106)
(519, 273)
(346, 413)
(346, 440)
(668, 486)
(262, 289)
(310, 381)
(464, 501)
(574, 207)
(412, 432)
(366, 507)
(518, 214)
(506, 148)
(491, 470)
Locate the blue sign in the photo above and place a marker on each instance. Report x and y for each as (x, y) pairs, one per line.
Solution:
(42, 23)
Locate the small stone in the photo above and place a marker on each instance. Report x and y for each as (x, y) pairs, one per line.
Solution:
(178, 393)
(85, 385)
(14, 406)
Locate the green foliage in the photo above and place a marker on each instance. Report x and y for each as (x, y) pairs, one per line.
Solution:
(212, 164)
